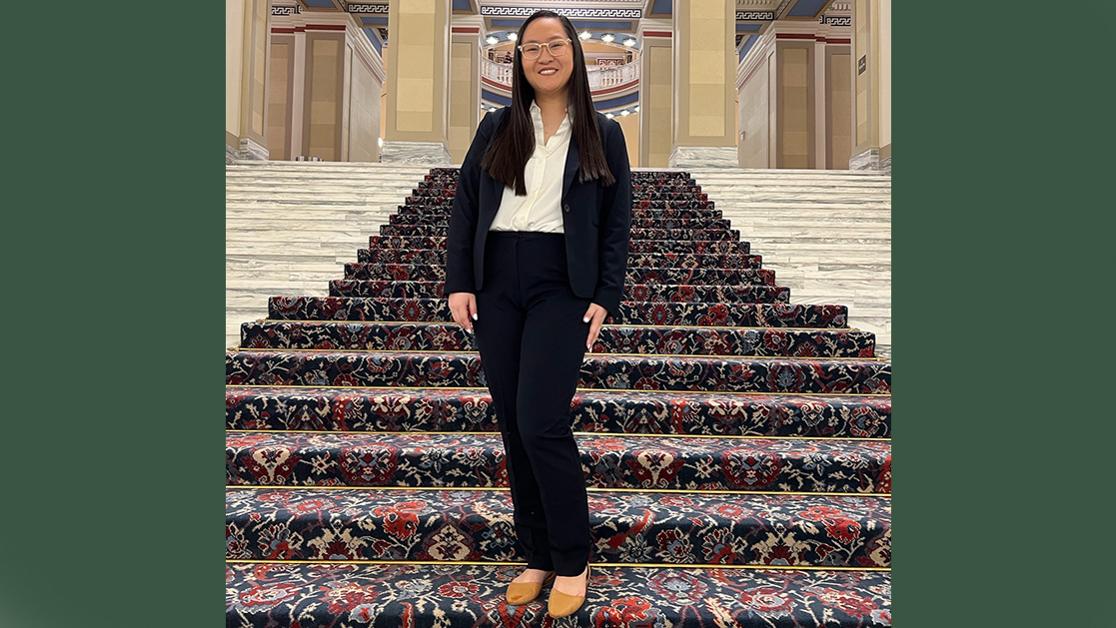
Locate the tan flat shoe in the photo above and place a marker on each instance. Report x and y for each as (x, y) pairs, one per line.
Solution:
(523, 592)
(562, 604)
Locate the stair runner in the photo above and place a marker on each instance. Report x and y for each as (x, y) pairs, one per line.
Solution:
(736, 447)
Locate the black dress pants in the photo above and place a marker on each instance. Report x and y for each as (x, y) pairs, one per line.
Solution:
(531, 338)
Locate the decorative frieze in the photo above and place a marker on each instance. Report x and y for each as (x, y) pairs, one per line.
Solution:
(504, 11)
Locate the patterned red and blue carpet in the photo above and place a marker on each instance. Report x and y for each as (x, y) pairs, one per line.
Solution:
(736, 446)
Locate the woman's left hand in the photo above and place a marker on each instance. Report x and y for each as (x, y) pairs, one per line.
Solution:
(595, 316)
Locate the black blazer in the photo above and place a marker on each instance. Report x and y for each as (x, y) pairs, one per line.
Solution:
(596, 219)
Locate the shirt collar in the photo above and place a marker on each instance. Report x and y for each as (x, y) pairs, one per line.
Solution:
(536, 117)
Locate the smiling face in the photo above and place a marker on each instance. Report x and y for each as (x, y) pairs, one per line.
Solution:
(548, 74)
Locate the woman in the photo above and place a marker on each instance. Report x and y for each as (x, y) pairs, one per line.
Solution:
(535, 262)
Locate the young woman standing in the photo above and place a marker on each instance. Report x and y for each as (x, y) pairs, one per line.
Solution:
(536, 257)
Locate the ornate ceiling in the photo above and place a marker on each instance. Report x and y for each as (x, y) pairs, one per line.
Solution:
(616, 16)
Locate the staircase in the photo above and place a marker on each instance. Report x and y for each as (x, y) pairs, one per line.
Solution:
(736, 445)
(290, 225)
(826, 233)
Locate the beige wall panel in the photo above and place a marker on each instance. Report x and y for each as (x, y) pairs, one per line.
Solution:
(464, 109)
(755, 113)
(656, 101)
(409, 121)
(415, 95)
(839, 105)
(862, 43)
(417, 6)
(279, 97)
(234, 63)
(363, 111)
(706, 67)
(259, 57)
(629, 124)
(705, 63)
(884, 72)
(324, 67)
(795, 105)
(418, 72)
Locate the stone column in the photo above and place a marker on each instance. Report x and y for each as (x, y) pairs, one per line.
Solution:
(871, 61)
(417, 124)
(656, 93)
(466, 41)
(247, 43)
(704, 84)
(326, 79)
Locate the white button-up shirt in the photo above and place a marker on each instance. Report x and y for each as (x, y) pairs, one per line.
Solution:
(541, 209)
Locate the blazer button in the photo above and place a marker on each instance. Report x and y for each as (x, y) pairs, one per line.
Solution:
(566, 207)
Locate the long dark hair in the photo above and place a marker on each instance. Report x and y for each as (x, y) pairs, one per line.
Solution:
(514, 142)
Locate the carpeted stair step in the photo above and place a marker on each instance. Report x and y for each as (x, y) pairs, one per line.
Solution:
(599, 370)
(635, 274)
(463, 460)
(447, 191)
(395, 409)
(645, 204)
(677, 293)
(635, 234)
(448, 336)
(637, 222)
(305, 307)
(704, 528)
(470, 595)
(697, 247)
(437, 257)
(440, 212)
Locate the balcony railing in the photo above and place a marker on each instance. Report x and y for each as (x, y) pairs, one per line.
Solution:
(600, 77)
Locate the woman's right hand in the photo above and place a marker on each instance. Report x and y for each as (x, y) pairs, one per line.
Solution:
(463, 307)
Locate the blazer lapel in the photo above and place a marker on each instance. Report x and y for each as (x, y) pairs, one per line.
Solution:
(573, 161)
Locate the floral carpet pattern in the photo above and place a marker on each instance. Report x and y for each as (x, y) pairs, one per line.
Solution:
(736, 446)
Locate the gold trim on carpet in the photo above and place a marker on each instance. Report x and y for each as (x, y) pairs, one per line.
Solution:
(494, 563)
(588, 353)
(588, 434)
(745, 327)
(591, 489)
(484, 390)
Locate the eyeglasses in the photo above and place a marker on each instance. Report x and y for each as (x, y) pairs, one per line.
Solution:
(557, 48)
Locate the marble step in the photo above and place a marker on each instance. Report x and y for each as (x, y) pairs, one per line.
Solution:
(326, 168)
(725, 200)
(613, 338)
(811, 211)
(238, 199)
(467, 595)
(398, 408)
(661, 372)
(477, 459)
(428, 524)
(757, 225)
(777, 173)
(307, 266)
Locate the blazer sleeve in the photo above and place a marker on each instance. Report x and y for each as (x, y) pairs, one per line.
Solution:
(616, 222)
(463, 215)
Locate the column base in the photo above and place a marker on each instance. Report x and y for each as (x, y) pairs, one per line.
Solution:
(400, 152)
(251, 149)
(872, 159)
(703, 157)
(230, 154)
